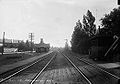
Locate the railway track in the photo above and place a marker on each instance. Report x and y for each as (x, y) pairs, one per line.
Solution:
(59, 68)
(77, 68)
(97, 67)
(61, 71)
(5, 77)
(35, 78)
(96, 74)
(114, 79)
(56, 69)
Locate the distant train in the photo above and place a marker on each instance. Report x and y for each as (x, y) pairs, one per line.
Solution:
(42, 47)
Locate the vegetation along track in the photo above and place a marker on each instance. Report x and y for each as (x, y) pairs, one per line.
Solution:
(96, 74)
(20, 76)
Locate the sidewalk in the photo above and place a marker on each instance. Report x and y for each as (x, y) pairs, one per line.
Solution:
(5, 68)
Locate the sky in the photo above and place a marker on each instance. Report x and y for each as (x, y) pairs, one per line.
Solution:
(52, 20)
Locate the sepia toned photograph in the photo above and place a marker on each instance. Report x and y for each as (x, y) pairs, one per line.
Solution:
(59, 41)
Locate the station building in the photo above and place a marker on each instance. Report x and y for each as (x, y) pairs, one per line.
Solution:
(42, 47)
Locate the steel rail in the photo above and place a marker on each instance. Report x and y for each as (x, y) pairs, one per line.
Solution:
(10, 76)
(80, 71)
(35, 78)
(98, 67)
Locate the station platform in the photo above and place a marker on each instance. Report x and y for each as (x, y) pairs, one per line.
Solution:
(6, 68)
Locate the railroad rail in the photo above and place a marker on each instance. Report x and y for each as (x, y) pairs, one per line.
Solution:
(35, 78)
(77, 68)
(98, 68)
(23, 69)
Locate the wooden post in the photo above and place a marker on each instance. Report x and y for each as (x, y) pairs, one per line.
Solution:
(3, 42)
(112, 46)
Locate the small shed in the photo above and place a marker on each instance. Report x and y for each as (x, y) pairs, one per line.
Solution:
(99, 46)
(42, 47)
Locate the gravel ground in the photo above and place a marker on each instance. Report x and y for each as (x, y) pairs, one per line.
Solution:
(12, 58)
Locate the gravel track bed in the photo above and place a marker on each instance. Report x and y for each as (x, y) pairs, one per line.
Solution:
(15, 57)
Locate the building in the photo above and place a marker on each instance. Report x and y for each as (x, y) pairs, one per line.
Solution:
(42, 47)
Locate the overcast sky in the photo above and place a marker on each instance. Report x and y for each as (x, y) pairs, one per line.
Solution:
(53, 20)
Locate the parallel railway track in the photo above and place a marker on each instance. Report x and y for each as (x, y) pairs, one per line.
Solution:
(58, 74)
(60, 68)
(54, 69)
(3, 79)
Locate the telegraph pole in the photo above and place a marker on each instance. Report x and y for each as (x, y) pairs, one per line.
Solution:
(3, 42)
(118, 2)
(31, 36)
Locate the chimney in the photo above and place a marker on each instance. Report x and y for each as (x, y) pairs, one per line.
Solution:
(41, 40)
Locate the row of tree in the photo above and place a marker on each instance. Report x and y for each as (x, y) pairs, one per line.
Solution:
(86, 29)
(25, 46)
(111, 22)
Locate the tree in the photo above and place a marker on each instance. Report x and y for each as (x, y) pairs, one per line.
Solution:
(21, 46)
(24, 46)
(111, 22)
(27, 43)
(88, 24)
(79, 39)
(75, 36)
